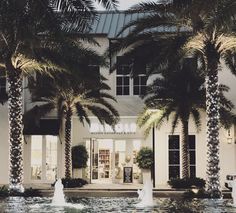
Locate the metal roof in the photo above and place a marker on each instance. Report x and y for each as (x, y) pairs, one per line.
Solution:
(110, 23)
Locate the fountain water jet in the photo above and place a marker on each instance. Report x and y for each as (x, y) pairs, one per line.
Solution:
(59, 197)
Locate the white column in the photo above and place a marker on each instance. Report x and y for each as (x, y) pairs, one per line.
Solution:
(44, 149)
(59, 157)
(113, 162)
(27, 159)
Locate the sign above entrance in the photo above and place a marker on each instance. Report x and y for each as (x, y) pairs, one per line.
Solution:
(122, 128)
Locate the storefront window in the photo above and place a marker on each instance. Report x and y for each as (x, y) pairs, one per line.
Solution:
(36, 157)
(51, 157)
(136, 169)
(119, 158)
(43, 157)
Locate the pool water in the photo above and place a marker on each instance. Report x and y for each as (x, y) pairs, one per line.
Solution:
(116, 205)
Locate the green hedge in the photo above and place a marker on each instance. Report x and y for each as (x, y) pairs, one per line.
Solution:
(186, 183)
(200, 194)
(72, 182)
(79, 157)
(29, 192)
(4, 191)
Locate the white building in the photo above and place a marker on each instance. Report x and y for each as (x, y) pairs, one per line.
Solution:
(111, 151)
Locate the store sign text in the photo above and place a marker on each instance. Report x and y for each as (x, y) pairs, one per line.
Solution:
(119, 128)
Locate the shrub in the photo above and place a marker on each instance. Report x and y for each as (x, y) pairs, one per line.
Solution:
(145, 158)
(200, 194)
(4, 191)
(72, 182)
(186, 183)
(30, 192)
(79, 157)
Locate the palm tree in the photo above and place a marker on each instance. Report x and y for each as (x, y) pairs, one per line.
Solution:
(203, 28)
(20, 23)
(69, 95)
(24, 26)
(180, 94)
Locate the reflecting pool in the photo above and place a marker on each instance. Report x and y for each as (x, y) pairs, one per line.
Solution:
(116, 205)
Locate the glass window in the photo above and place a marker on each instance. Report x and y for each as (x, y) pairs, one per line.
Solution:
(174, 142)
(51, 157)
(123, 76)
(124, 83)
(136, 169)
(192, 155)
(174, 171)
(174, 156)
(120, 154)
(140, 84)
(36, 157)
(3, 81)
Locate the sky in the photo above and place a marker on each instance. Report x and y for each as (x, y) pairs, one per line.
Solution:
(124, 4)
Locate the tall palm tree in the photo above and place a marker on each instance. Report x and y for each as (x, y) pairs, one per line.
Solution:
(24, 26)
(72, 95)
(180, 94)
(20, 23)
(181, 28)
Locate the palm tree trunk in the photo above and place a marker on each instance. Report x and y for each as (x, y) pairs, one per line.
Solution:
(212, 111)
(68, 165)
(185, 150)
(15, 104)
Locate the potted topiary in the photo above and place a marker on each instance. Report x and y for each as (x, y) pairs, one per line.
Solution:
(79, 160)
(145, 162)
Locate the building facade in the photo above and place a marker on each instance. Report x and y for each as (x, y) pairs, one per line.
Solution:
(112, 152)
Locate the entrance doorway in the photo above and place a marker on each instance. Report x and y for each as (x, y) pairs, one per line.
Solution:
(43, 158)
(102, 152)
(109, 157)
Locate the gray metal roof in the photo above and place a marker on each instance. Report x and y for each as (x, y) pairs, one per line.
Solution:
(110, 23)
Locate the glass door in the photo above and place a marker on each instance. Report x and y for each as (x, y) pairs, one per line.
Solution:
(43, 158)
(36, 157)
(94, 159)
(51, 158)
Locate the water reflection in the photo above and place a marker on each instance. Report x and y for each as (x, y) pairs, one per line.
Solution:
(116, 205)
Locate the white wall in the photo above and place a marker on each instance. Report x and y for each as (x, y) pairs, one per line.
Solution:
(4, 144)
(227, 151)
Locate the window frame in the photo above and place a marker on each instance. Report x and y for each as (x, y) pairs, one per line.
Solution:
(3, 75)
(173, 150)
(192, 165)
(123, 62)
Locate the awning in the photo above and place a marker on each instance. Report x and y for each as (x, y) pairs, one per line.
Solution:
(44, 127)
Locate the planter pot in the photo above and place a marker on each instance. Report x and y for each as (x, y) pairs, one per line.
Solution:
(146, 173)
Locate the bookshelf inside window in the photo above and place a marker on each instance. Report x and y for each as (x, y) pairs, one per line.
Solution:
(104, 163)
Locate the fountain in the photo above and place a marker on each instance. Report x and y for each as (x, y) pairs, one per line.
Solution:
(59, 197)
(145, 195)
(233, 194)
